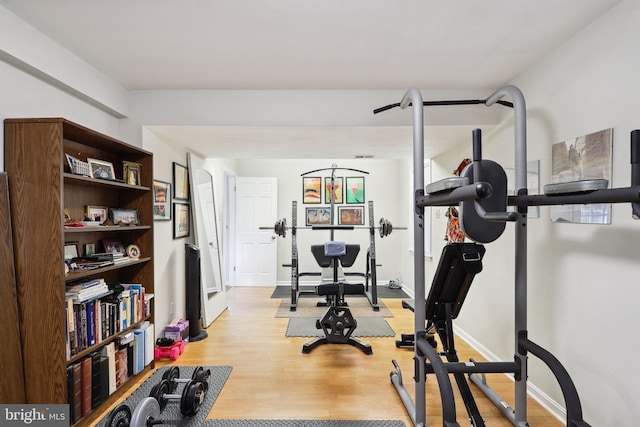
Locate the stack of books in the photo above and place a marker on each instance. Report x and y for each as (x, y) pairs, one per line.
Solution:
(87, 290)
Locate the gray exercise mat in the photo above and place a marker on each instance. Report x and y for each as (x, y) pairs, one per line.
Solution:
(304, 423)
(171, 413)
(367, 327)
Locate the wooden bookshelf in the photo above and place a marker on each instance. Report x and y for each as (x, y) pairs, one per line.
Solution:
(42, 186)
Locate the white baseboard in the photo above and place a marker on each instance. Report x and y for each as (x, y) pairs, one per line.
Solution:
(538, 395)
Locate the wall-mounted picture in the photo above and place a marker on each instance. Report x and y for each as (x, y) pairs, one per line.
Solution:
(317, 216)
(181, 216)
(351, 215)
(311, 189)
(121, 216)
(131, 172)
(101, 169)
(96, 213)
(337, 190)
(180, 182)
(583, 158)
(354, 190)
(161, 200)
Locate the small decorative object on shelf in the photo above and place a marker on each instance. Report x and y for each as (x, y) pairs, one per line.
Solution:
(77, 166)
(96, 213)
(124, 216)
(131, 172)
(133, 251)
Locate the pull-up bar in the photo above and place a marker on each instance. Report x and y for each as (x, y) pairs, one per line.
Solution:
(440, 103)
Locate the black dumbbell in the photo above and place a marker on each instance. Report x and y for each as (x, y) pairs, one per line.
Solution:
(146, 414)
(200, 375)
(190, 400)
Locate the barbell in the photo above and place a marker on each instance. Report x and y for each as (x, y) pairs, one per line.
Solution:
(384, 228)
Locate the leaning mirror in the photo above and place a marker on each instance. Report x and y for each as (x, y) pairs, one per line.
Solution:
(206, 237)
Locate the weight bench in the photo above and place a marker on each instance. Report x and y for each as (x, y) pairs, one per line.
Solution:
(337, 322)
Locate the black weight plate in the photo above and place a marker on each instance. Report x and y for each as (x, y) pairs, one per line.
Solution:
(197, 373)
(192, 396)
(171, 375)
(119, 417)
(158, 391)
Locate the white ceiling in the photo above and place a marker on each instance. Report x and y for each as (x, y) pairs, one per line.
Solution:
(309, 44)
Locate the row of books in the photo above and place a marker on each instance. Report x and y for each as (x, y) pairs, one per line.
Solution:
(92, 379)
(91, 321)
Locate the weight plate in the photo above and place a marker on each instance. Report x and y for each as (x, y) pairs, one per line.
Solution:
(192, 397)
(171, 375)
(119, 417)
(158, 391)
(197, 373)
(147, 410)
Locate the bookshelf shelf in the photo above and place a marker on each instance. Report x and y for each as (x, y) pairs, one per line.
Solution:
(42, 188)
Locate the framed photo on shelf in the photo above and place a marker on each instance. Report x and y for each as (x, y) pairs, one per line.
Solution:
(181, 215)
(121, 216)
(180, 182)
(96, 213)
(71, 250)
(101, 169)
(354, 189)
(311, 190)
(337, 188)
(112, 246)
(317, 216)
(89, 249)
(161, 200)
(131, 172)
(351, 215)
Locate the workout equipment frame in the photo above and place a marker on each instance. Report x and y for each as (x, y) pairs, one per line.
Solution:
(384, 228)
(472, 194)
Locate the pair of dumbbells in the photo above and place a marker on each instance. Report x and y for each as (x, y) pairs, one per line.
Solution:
(193, 393)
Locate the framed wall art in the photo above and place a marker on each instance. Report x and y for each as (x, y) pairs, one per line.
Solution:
(181, 215)
(351, 215)
(354, 189)
(161, 200)
(337, 190)
(180, 182)
(317, 216)
(311, 190)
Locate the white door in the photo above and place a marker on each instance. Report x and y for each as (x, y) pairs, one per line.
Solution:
(256, 250)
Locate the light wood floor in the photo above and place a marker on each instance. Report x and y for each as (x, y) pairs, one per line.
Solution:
(272, 379)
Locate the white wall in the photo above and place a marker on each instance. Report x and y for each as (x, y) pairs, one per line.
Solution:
(583, 288)
(383, 185)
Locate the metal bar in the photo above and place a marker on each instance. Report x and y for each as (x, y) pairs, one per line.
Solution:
(444, 103)
(414, 97)
(477, 190)
(479, 367)
(520, 277)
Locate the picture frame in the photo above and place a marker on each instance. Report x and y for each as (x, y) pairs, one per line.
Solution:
(71, 250)
(101, 169)
(96, 213)
(161, 200)
(354, 190)
(131, 172)
(113, 246)
(338, 190)
(317, 216)
(351, 215)
(312, 190)
(121, 216)
(180, 182)
(181, 220)
(89, 249)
